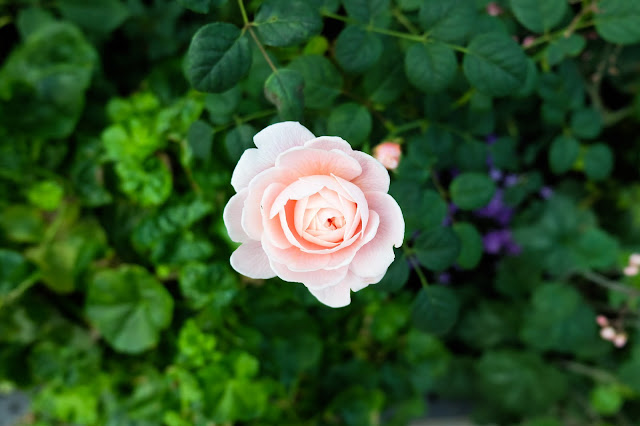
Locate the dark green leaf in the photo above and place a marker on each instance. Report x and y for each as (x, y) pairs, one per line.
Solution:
(448, 20)
(23, 224)
(471, 245)
(586, 123)
(539, 15)
(368, 11)
(129, 307)
(350, 121)
(238, 140)
(357, 50)
(200, 6)
(598, 161)
(284, 89)
(218, 57)
(618, 21)
(286, 23)
(208, 285)
(102, 16)
(470, 191)
(397, 275)
(495, 64)
(322, 81)
(430, 67)
(435, 310)
(200, 138)
(437, 249)
(423, 209)
(14, 269)
(563, 153)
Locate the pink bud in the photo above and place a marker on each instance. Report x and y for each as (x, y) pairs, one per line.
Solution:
(634, 259)
(620, 340)
(388, 153)
(494, 9)
(631, 270)
(602, 321)
(528, 41)
(608, 333)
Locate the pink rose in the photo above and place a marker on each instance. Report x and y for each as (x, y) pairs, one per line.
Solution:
(388, 153)
(314, 211)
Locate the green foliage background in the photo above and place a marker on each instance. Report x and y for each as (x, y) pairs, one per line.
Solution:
(120, 125)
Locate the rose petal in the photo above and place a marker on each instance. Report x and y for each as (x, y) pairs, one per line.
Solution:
(277, 138)
(250, 260)
(374, 258)
(365, 282)
(328, 143)
(336, 296)
(318, 279)
(232, 217)
(272, 227)
(309, 162)
(374, 176)
(251, 163)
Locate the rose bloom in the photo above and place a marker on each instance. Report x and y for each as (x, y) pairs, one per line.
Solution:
(388, 153)
(312, 210)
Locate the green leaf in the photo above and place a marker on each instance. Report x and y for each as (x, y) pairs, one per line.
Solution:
(129, 307)
(352, 122)
(397, 275)
(471, 190)
(385, 82)
(286, 23)
(238, 140)
(322, 81)
(606, 399)
(489, 324)
(564, 47)
(32, 19)
(200, 139)
(539, 15)
(211, 285)
(495, 64)
(148, 183)
(46, 194)
(357, 50)
(218, 57)
(563, 153)
(23, 224)
(430, 67)
(471, 245)
(435, 310)
(220, 106)
(618, 21)
(598, 161)
(14, 269)
(284, 88)
(199, 6)
(101, 16)
(438, 248)
(597, 248)
(586, 123)
(368, 11)
(447, 20)
(422, 210)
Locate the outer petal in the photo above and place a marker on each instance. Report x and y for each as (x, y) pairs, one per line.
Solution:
(316, 279)
(335, 296)
(374, 176)
(232, 217)
(251, 163)
(374, 258)
(250, 260)
(279, 137)
(308, 162)
(365, 282)
(328, 143)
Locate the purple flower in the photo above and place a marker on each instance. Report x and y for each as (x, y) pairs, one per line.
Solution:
(491, 139)
(497, 209)
(495, 174)
(500, 240)
(510, 180)
(546, 192)
(444, 278)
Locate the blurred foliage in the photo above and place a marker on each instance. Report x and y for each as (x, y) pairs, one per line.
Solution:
(121, 122)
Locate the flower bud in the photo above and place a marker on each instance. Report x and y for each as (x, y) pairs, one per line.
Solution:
(620, 340)
(388, 153)
(528, 41)
(494, 9)
(602, 321)
(631, 270)
(608, 333)
(634, 259)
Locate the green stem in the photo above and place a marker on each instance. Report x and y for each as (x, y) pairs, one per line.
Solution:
(423, 279)
(596, 374)
(408, 126)
(608, 284)
(261, 47)
(371, 28)
(243, 12)
(397, 13)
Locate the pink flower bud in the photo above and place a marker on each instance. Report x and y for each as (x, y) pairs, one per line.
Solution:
(620, 340)
(634, 259)
(388, 153)
(528, 41)
(608, 333)
(602, 321)
(494, 9)
(631, 270)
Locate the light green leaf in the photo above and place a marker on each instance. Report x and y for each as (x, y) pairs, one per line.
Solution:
(430, 67)
(22, 224)
(471, 191)
(437, 249)
(539, 15)
(352, 122)
(495, 64)
(435, 310)
(357, 50)
(322, 81)
(447, 20)
(286, 23)
(618, 21)
(46, 194)
(471, 245)
(598, 161)
(129, 307)
(148, 183)
(563, 153)
(606, 399)
(218, 57)
(284, 88)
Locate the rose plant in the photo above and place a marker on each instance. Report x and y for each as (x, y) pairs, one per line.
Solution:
(312, 210)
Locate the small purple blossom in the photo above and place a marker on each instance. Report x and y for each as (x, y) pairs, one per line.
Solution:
(496, 241)
(444, 278)
(495, 174)
(491, 139)
(546, 192)
(497, 209)
(510, 180)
